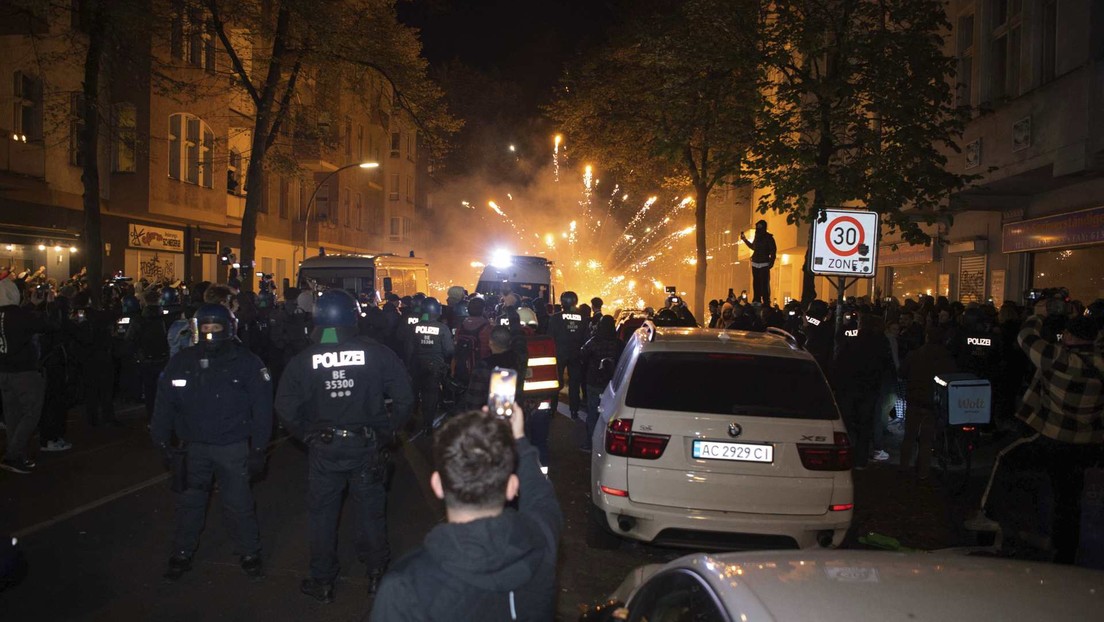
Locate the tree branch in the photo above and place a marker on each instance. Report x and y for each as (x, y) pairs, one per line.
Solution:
(285, 100)
(235, 60)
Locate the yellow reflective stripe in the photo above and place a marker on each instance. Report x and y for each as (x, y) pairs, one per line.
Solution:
(541, 361)
(543, 384)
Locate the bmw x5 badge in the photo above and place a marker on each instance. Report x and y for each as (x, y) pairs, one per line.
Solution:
(735, 430)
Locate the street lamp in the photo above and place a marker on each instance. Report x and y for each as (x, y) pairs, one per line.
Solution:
(310, 202)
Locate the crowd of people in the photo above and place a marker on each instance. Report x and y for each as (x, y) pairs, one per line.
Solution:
(321, 364)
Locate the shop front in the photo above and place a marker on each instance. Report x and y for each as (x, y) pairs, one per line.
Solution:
(1065, 250)
(154, 253)
(910, 271)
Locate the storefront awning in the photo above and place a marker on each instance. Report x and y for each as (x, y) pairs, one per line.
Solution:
(1081, 228)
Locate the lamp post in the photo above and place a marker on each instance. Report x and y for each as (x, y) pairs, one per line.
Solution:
(310, 202)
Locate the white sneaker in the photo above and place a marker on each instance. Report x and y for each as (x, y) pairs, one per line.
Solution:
(59, 445)
(880, 456)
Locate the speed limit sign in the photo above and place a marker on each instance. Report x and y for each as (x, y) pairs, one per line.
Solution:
(846, 243)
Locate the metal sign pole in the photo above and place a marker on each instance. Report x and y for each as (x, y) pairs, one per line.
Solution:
(841, 287)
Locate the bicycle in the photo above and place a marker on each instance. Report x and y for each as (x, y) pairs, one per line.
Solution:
(963, 404)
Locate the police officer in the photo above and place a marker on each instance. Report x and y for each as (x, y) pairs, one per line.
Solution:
(820, 334)
(148, 338)
(429, 347)
(331, 397)
(568, 330)
(216, 397)
(976, 348)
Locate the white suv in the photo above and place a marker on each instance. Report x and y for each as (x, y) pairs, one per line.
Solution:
(720, 438)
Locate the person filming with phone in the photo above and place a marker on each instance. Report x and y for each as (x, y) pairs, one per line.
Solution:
(489, 561)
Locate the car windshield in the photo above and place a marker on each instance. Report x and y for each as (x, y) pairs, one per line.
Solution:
(355, 280)
(730, 384)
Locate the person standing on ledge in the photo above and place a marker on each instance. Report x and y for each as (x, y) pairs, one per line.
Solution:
(763, 250)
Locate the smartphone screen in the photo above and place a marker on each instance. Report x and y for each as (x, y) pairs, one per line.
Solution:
(503, 391)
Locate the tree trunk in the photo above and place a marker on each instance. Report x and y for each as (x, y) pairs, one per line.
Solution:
(254, 195)
(90, 146)
(699, 236)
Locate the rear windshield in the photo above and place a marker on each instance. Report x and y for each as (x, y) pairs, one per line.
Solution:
(525, 290)
(354, 280)
(730, 384)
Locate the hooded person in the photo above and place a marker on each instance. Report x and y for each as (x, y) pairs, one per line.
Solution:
(763, 254)
(488, 562)
(598, 359)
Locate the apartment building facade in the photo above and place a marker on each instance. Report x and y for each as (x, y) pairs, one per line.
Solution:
(173, 159)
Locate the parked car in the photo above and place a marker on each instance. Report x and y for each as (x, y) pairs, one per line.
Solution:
(829, 586)
(719, 438)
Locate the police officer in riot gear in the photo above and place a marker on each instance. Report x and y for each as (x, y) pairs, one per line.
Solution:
(331, 397)
(429, 348)
(976, 348)
(569, 330)
(819, 333)
(216, 398)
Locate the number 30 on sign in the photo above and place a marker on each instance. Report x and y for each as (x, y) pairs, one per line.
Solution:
(846, 243)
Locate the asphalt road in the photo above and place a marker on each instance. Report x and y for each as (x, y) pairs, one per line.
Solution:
(95, 524)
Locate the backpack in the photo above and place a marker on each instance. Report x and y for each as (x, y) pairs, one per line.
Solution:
(466, 352)
(153, 344)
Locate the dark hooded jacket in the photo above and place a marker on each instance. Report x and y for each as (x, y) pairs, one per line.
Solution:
(500, 568)
(599, 355)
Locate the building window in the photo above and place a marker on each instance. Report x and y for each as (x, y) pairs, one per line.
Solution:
(410, 138)
(191, 150)
(1005, 45)
(409, 188)
(76, 126)
(26, 107)
(235, 174)
(348, 138)
(124, 123)
(191, 37)
(396, 228)
(322, 202)
(348, 209)
(1049, 28)
(965, 90)
(285, 197)
(393, 190)
(360, 143)
(396, 143)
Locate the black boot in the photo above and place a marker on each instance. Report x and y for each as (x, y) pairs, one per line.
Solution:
(178, 565)
(375, 576)
(251, 565)
(322, 592)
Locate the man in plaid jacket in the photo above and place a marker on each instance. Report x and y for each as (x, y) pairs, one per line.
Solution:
(1064, 407)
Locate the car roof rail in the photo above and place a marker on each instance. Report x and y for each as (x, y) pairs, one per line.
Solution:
(778, 332)
(649, 329)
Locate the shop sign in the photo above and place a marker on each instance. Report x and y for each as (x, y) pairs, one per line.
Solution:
(156, 238)
(1061, 231)
(905, 254)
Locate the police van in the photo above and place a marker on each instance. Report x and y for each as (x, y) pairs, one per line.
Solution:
(362, 275)
(528, 277)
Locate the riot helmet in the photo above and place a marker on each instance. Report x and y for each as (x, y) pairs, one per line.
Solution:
(431, 309)
(1095, 310)
(973, 319)
(215, 326)
(170, 301)
(460, 310)
(131, 306)
(336, 308)
(568, 300)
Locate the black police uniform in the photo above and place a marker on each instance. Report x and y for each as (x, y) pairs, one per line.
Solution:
(429, 347)
(219, 404)
(331, 397)
(148, 336)
(569, 331)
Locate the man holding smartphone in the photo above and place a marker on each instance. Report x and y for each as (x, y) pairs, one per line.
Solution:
(488, 562)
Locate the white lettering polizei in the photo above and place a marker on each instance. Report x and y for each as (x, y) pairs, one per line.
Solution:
(422, 329)
(573, 316)
(344, 358)
(978, 341)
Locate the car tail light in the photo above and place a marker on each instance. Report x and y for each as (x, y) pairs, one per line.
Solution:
(616, 492)
(622, 441)
(841, 507)
(834, 457)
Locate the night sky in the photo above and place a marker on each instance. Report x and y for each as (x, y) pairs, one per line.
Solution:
(526, 42)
